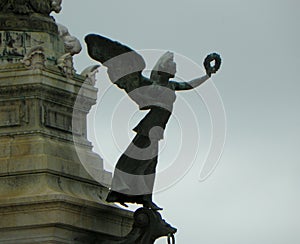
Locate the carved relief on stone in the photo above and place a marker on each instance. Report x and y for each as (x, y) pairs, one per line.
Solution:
(72, 44)
(90, 74)
(9, 116)
(65, 64)
(13, 114)
(18, 45)
(44, 7)
(35, 58)
(13, 43)
(54, 116)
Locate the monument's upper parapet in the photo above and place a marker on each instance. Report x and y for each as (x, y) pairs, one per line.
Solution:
(29, 15)
(44, 7)
(27, 30)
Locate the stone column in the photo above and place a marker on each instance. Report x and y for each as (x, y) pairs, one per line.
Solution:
(46, 193)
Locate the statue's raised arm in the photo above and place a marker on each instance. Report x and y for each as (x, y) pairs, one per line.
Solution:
(213, 57)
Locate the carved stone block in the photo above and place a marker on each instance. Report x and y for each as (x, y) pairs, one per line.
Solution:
(13, 114)
(53, 117)
(15, 45)
(9, 116)
(35, 59)
(65, 64)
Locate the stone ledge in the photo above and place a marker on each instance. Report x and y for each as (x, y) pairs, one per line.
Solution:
(49, 234)
(67, 211)
(42, 198)
(37, 154)
(70, 221)
(50, 76)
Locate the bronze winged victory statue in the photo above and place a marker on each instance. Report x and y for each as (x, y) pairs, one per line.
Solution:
(134, 173)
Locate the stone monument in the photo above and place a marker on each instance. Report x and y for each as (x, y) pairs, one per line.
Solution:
(46, 195)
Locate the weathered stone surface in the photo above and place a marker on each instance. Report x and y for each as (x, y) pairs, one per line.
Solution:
(28, 23)
(14, 45)
(53, 217)
(90, 74)
(29, 16)
(25, 7)
(71, 43)
(48, 194)
(23, 154)
(51, 182)
(46, 103)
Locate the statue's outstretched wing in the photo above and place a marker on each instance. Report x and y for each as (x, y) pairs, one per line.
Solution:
(124, 66)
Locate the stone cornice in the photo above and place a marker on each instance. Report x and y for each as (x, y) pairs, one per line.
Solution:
(46, 85)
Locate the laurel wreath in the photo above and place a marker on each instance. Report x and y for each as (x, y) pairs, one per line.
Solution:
(207, 63)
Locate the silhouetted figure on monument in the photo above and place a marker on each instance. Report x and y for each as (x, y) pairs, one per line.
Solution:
(134, 174)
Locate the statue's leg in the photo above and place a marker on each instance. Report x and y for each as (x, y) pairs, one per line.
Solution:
(139, 187)
(147, 198)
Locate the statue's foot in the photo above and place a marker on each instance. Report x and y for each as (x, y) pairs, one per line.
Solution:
(152, 206)
(115, 197)
(145, 200)
(147, 203)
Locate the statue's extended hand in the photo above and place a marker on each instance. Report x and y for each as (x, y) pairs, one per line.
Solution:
(207, 63)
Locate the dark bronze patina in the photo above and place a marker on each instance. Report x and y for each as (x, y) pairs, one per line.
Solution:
(135, 170)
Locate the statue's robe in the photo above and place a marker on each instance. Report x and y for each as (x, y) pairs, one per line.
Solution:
(135, 170)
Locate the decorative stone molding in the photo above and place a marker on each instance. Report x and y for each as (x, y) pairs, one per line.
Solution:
(35, 58)
(72, 44)
(90, 74)
(65, 64)
(51, 94)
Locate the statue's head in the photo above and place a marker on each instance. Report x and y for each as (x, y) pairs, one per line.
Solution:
(164, 68)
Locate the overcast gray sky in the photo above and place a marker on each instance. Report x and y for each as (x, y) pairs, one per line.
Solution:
(253, 196)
